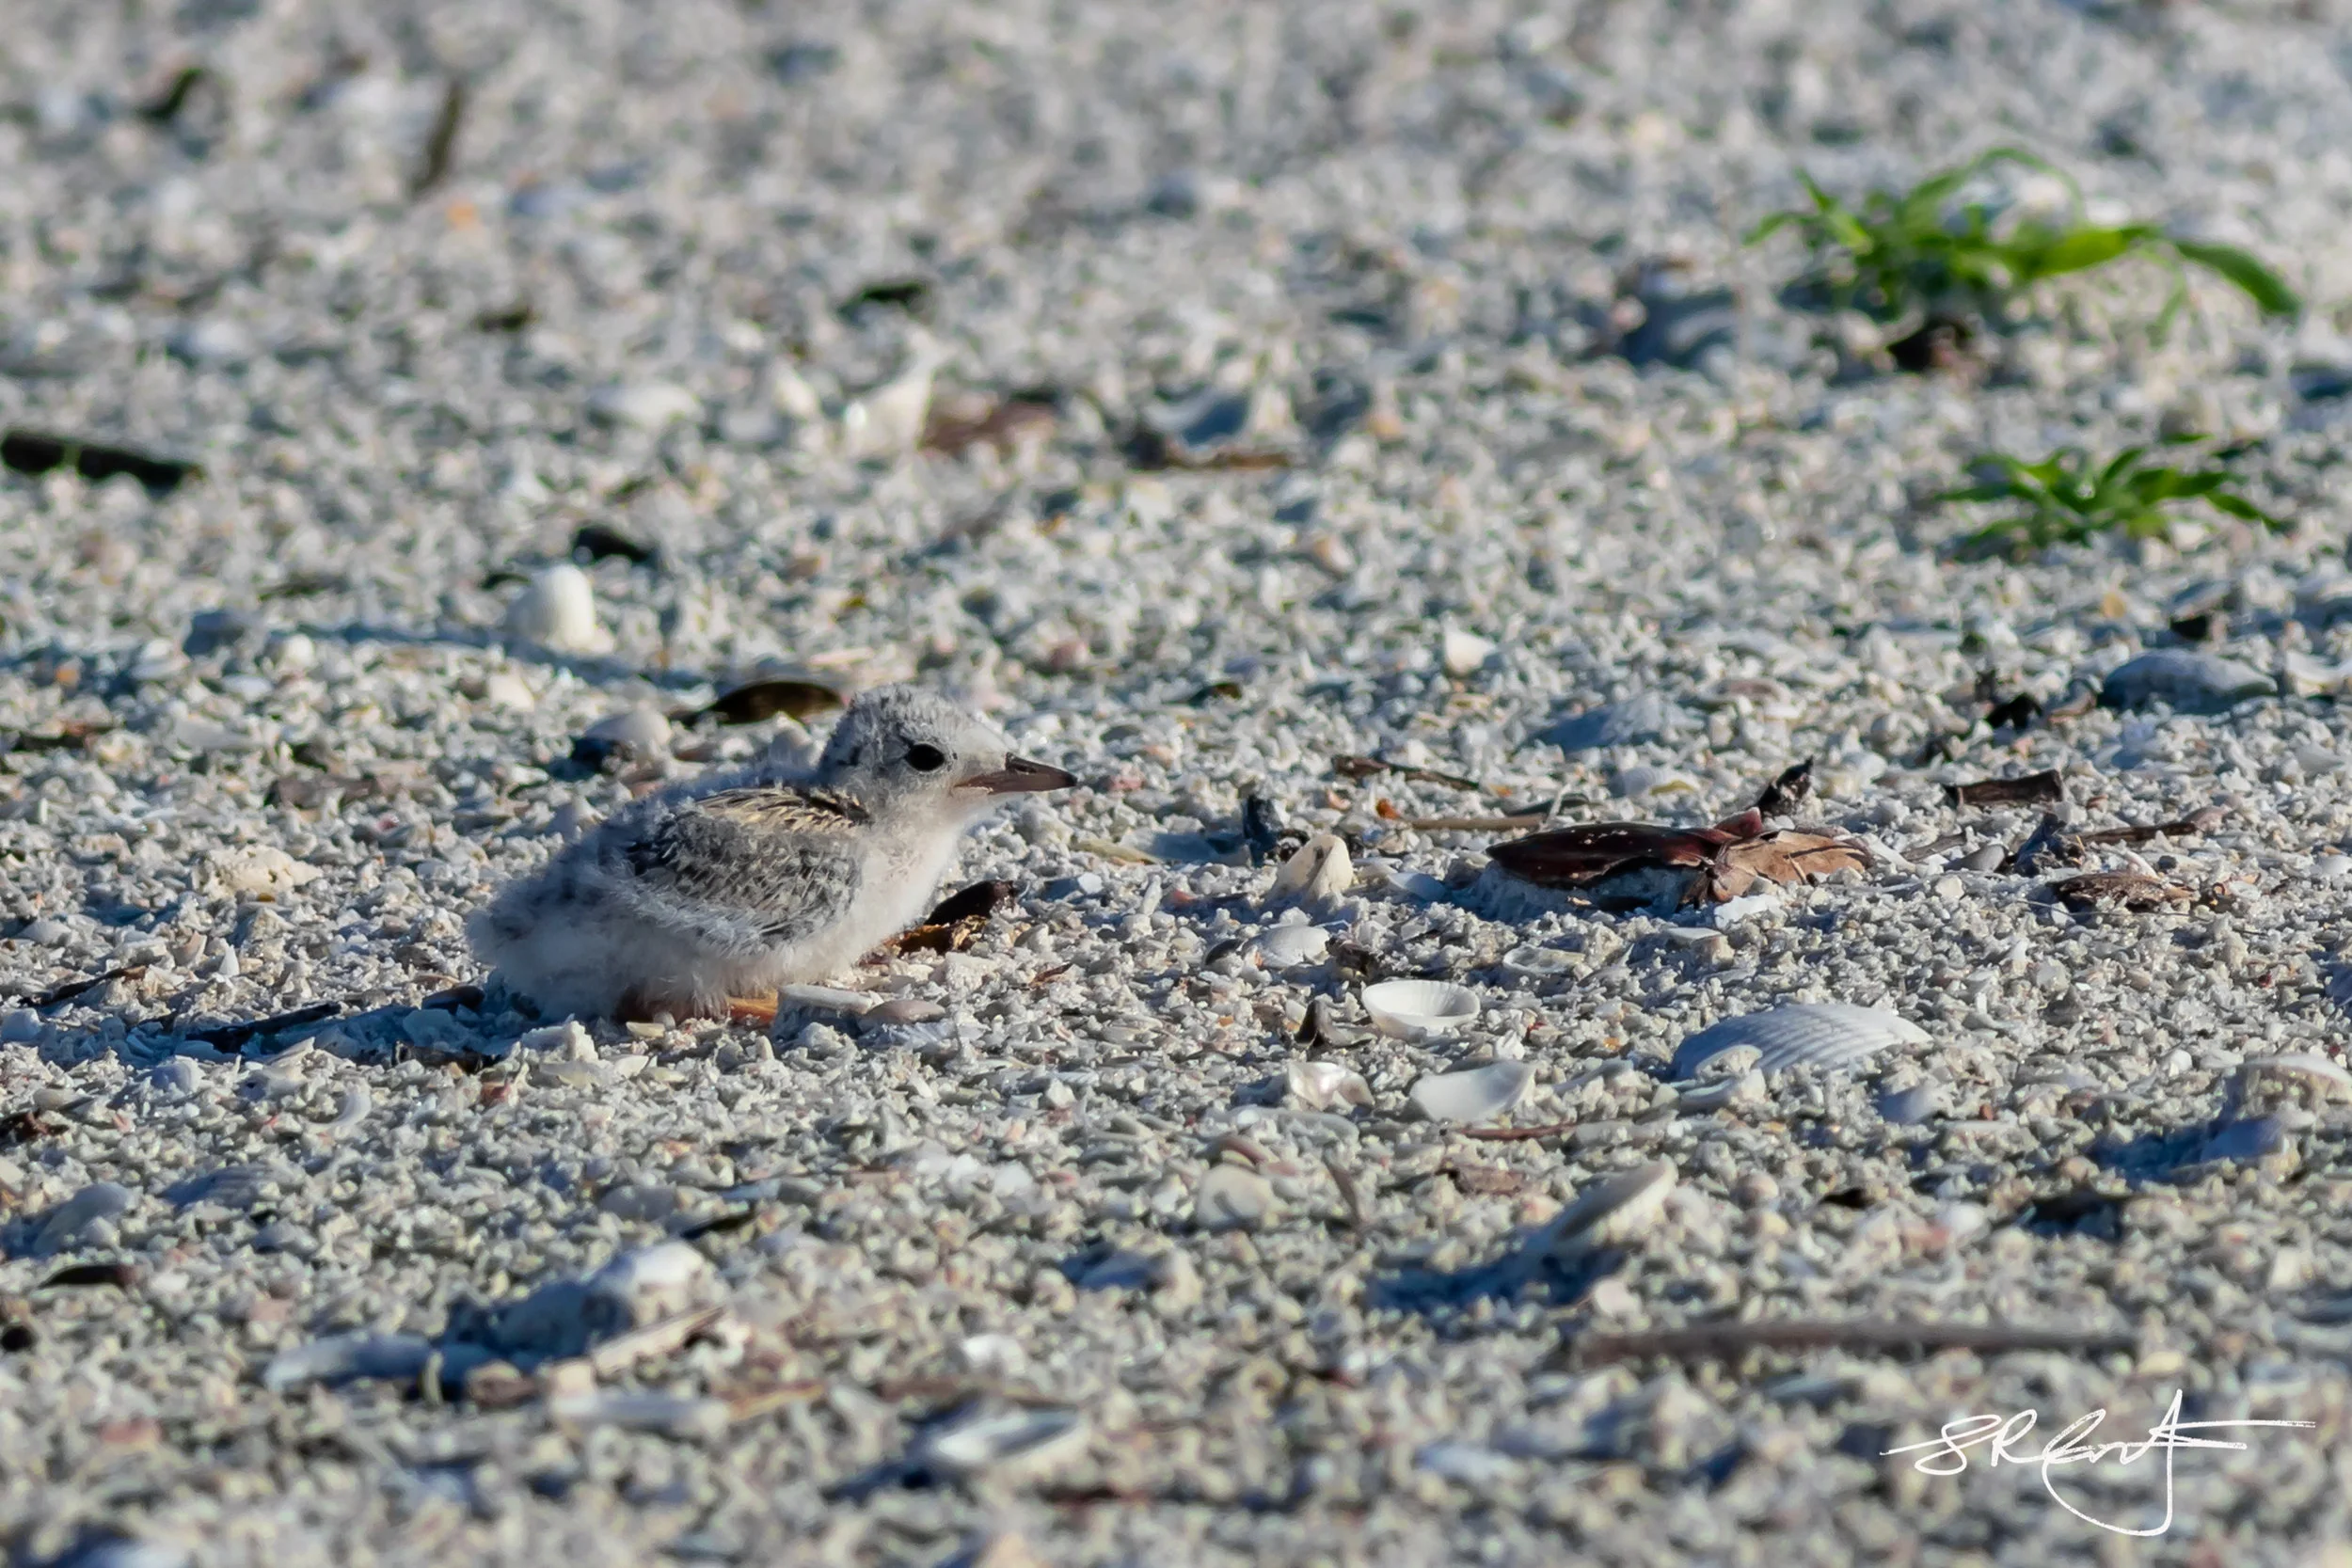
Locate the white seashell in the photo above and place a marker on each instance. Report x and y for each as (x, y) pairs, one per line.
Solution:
(640, 729)
(888, 421)
(2323, 1075)
(2332, 868)
(1805, 1034)
(1911, 1106)
(566, 1040)
(1419, 1009)
(1317, 874)
(97, 1201)
(259, 869)
(345, 1356)
(2188, 680)
(643, 404)
(970, 1445)
(825, 999)
(1464, 653)
(1288, 946)
(357, 1105)
(655, 1281)
(1228, 1196)
(556, 609)
(1611, 1211)
(1480, 1094)
(1320, 1086)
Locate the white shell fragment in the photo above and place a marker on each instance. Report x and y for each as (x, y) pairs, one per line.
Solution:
(1611, 1211)
(1464, 653)
(1479, 1094)
(342, 1357)
(556, 609)
(1228, 1198)
(1419, 1009)
(1320, 1086)
(2188, 680)
(969, 1444)
(1830, 1034)
(1288, 946)
(1316, 876)
(65, 1224)
(643, 730)
(2321, 1077)
(643, 404)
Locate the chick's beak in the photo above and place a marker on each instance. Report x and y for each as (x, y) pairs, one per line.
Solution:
(1020, 776)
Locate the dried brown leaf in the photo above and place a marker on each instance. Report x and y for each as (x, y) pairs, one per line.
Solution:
(2027, 789)
(2130, 890)
(1008, 426)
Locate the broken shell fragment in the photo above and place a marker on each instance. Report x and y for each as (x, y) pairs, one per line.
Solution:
(1320, 1086)
(1228, 1198)
(1419, 1009)
(1463, 653)
(971, 1443)
(557, 610)
(1316, 875)
(1611, 1211)
(1479, 1094)
(1826, 1034)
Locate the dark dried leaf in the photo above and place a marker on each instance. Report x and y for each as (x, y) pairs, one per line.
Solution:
(911, 294)
(466, 996)
(2129, 890)
(595, 542)
(1008, 426)
(121, 1275)
(2028, 789)
(753, 701)
(70, 734)
(513, 318)
(73, 989)
(229, 1035)
(1364, 768)
(977, 902)
(2017, 713)
(167, 104)
(1578, 856)
(441, 144)
(2192, 826)
(302, 585)
(1261, 828)
(1785, 794)
(22, 1126)
(33, 451)
(1229, 690)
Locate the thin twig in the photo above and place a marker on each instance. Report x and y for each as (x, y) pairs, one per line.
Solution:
(1726, 1340)
(1519, 1134)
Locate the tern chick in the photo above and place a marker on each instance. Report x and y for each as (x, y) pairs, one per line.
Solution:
(729, 887)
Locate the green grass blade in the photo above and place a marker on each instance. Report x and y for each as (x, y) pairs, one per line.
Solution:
(2238, 506)
(2265, 288)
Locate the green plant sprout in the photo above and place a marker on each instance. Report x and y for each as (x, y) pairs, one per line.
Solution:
(2065, 500)
(1922, 250)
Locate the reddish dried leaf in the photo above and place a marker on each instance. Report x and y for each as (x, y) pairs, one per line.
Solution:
(1005, 426)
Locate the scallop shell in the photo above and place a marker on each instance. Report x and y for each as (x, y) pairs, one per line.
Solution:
(1419, 1009)
(642, 729)
(1319, 1085)
(1480, 1094)
(971, 1444)
(1288, 946)
(1806, 1034)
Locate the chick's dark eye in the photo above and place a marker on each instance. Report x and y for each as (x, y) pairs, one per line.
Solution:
(926, 759)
